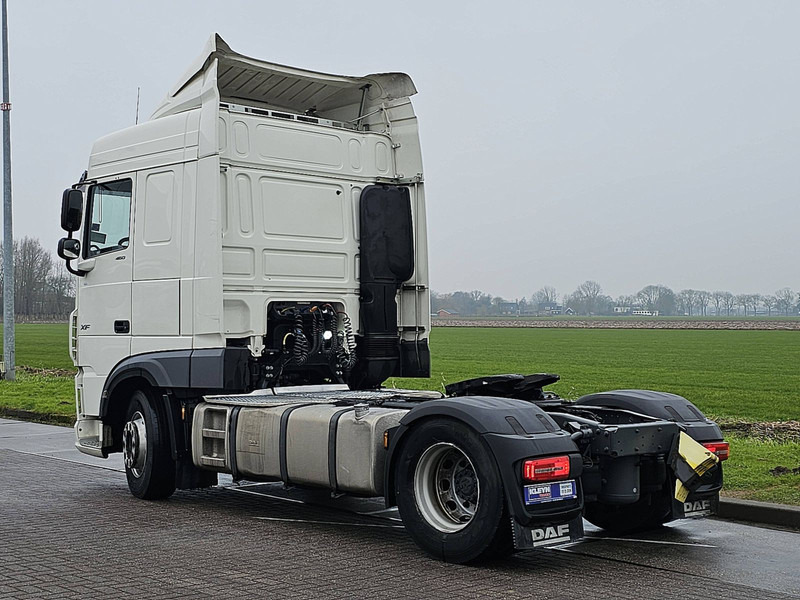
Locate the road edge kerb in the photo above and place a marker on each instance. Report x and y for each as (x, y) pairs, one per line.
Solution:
(36, 417)
(763, 513)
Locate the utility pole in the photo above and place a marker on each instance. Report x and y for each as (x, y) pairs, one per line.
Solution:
(8, 230)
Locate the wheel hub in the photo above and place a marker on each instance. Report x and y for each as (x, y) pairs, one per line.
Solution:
(446, 487)
(134, 444)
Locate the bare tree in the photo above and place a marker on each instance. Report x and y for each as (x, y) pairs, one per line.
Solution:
(60, 290)
(718, 298)
(586, 298)
(743, 301)
(686, 300)
(546, 295)
(32, 266)
(755, 300)
(728, 301)
(43, 287)
(786, 300)
(770, 303)
(626, 301)
(703, 298)
(657, 298)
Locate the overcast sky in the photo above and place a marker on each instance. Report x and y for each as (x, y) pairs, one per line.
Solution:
(627, 142)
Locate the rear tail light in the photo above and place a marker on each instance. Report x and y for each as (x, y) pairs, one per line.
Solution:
(546, 469)
(721, 449)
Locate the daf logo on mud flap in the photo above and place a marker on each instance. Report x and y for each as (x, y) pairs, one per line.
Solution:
(698, 507)
(550, 535)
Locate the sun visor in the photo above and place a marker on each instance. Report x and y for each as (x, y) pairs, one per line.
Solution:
(244, 80)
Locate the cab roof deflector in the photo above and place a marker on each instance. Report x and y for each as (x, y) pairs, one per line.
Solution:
(241, 79)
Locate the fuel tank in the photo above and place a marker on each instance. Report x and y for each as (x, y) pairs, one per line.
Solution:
(319, 445)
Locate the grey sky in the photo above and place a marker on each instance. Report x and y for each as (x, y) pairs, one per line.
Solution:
(626, 142)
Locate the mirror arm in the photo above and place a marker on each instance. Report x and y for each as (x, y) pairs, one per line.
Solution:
(77, 272)
(68, 262)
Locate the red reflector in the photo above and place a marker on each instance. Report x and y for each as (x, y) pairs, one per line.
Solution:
(721, 449)
(546, 469)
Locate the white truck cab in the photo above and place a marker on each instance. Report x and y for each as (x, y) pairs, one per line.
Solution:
(210, 230)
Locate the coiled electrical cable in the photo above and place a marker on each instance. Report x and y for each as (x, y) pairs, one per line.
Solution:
(346, 353)
(300, 348)
(316, 330)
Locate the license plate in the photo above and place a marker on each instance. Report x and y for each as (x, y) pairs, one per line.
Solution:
(550, 492)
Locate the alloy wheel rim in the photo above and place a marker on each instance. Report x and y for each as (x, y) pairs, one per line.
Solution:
(446, 487)
(134, 444)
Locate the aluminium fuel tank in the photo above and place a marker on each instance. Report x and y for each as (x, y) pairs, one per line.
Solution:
(319, 445)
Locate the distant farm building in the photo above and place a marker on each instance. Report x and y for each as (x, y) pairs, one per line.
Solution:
(548, 309)
(509, 308)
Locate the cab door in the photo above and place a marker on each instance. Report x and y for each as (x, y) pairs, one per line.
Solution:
(104, 292)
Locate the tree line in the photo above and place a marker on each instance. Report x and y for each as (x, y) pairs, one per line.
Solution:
(43, 288)
(589, 299)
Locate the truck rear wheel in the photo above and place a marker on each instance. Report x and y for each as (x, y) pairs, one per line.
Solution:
(450, 495)
(648, 512)
(145, 450)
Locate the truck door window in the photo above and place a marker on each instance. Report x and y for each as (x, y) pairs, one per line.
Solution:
(109, 208)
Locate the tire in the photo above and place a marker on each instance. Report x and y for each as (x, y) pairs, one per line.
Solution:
(146, 450)
(649, 512)
(450, 495)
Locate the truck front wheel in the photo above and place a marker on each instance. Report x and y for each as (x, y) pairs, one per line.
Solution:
(145, 450)
(450, 495)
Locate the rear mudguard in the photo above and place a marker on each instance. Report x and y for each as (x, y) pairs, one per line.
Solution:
(514, 430)
(661, 405)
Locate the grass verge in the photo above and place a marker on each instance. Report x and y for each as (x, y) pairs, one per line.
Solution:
(748, 470)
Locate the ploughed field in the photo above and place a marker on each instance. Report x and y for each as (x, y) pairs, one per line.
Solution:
(748, 380)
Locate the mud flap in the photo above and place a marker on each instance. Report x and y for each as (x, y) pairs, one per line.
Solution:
(695, 506)
(547, 534)
(693, 466)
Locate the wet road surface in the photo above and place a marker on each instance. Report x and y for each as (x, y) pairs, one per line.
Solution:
(70, 529)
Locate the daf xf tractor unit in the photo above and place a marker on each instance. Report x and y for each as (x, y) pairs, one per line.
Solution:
(252, 266)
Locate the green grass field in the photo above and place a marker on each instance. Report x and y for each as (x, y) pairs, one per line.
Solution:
(730, 375)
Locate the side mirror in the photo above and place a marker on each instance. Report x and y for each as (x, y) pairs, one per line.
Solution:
(69, 248)
(71, 210)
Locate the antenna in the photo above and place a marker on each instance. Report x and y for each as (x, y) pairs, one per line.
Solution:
(138, 89)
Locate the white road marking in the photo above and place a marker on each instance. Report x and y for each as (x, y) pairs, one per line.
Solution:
(293, 500)
(329, 522)
(664, 542)
(69, 460)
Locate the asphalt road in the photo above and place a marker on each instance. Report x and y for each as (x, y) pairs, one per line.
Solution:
(70, 529)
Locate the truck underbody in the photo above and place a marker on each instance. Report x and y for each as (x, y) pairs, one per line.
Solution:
(612, 458)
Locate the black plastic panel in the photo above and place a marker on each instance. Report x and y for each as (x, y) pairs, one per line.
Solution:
(386, 259)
